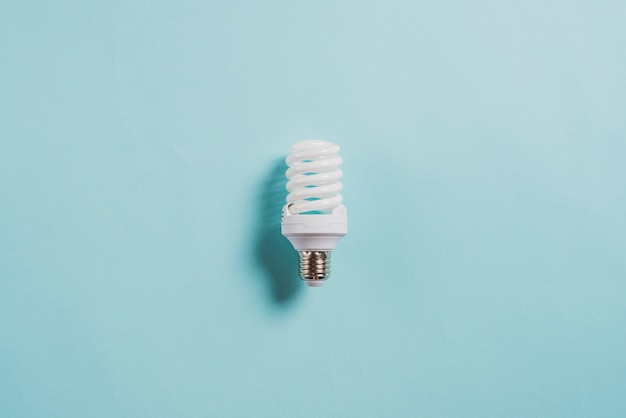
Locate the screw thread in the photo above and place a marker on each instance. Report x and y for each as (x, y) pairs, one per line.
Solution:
(314, 265)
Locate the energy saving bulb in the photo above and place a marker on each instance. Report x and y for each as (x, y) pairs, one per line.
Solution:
(314, 220)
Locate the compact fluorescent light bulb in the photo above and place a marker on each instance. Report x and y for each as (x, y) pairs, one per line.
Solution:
(314, 219)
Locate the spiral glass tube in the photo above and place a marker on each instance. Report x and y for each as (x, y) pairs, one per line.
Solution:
(314, 175)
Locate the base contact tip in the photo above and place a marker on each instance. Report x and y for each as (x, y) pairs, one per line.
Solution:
(314, 283)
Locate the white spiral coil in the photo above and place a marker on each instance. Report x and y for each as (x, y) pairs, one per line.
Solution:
(313, 175)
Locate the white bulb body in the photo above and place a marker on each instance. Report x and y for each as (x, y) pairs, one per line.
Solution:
(315, 232)
(314, 218)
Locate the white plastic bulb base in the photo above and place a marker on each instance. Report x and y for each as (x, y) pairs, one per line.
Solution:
(314, 237)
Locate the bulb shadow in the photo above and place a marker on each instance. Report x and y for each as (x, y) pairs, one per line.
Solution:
(273, 251)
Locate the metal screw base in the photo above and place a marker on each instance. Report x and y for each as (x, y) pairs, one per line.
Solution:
(314, 266)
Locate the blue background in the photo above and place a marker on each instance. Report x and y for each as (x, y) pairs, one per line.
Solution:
(142, 271)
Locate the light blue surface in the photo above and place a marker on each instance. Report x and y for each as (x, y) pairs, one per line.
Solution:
(142, 273)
